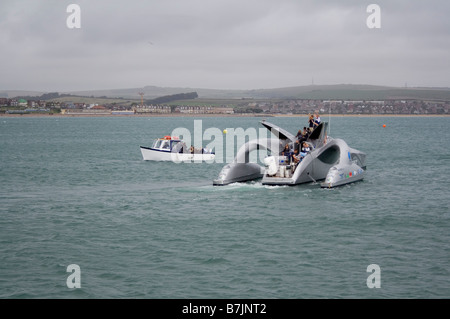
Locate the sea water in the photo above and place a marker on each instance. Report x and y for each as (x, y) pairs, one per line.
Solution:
(75, 191)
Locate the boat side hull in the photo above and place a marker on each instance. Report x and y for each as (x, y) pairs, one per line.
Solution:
(342, 175)
(149, 154)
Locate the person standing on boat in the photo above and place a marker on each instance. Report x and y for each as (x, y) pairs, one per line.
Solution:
(296, 159)
(311, 122)
(287, 152)
(297, 145)
(316, 119)
(180, 147)
(183, 147)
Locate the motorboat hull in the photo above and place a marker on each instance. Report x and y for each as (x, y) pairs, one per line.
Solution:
(149, 154)
(342, 175)
(331, 161)
(317, 165)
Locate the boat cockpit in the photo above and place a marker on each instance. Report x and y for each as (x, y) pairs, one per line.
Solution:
(166, 144)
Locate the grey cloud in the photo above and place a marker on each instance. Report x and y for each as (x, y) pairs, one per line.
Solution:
(222, 44)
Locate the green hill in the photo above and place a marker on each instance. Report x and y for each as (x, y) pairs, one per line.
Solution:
(320, 92)
(313, 92)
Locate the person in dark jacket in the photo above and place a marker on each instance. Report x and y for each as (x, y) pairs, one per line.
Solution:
(311, 122)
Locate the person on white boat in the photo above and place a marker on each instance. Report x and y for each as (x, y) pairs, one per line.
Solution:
(194, 150)
(180, 147)
(166, 145)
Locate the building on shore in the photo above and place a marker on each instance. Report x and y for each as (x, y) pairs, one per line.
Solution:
(147, 109)
(91, 111)
(204, 110)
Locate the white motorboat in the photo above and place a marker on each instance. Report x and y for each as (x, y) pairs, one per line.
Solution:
(171, 148)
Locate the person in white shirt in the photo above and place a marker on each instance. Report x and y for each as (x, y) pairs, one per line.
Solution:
(316, 120)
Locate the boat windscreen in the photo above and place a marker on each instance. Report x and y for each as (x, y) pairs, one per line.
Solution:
(165, 145)
(157, 143)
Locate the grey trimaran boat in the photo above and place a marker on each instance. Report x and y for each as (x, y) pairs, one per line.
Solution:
(330, 161)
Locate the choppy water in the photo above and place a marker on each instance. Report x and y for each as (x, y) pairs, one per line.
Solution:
(76, 191)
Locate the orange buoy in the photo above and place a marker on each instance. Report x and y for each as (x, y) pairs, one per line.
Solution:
(384, 125)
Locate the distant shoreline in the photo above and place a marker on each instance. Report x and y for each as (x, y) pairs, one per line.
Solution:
(218, 115)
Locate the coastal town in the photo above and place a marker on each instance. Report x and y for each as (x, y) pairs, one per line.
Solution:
(234, 106)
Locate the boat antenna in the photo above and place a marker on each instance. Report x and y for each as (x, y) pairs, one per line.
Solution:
(329, 118)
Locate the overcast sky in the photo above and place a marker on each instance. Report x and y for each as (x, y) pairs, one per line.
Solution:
(223, 44)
